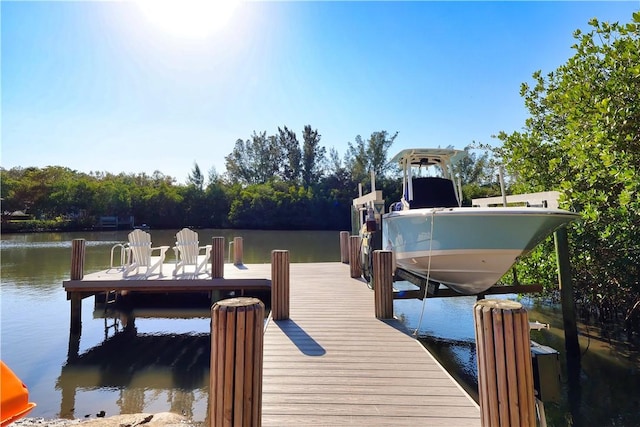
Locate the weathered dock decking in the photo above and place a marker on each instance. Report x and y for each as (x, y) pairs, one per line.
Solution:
(333, 363)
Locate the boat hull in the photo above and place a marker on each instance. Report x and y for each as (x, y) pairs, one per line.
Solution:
(467, 249)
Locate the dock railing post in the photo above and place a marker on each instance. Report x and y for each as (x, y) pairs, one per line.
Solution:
(354, 256)
(235, 384)
(77, 273)
(217, 257)
(279, 285)
(344, 247)
(383, 284)
(237, 251)
(505, 372)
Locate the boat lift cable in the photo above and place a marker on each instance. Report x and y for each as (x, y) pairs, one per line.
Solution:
(424, 297)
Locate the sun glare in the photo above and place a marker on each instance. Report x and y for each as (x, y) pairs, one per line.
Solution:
(188, 18)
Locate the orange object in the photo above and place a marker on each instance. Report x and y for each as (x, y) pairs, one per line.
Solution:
(14, 397)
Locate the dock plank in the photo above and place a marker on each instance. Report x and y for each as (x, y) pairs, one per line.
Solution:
(333, 363)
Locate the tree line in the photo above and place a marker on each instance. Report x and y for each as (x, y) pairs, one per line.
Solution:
(270, 182)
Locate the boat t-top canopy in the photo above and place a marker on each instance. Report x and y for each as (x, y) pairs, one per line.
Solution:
(428, 156)
(442, 158)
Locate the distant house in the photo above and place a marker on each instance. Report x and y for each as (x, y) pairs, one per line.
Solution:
(18, 216)
(115, 222)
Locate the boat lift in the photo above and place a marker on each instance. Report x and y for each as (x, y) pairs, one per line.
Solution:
(366, 221)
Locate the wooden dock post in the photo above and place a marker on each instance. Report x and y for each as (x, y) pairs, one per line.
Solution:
(279, 285)
(344, 247)
(235, 385)
(566, 294)
(383, 284)
(77, 259)
(354, 256)
(77, 273)
(237, 251)
(505, 372)
(217, 257)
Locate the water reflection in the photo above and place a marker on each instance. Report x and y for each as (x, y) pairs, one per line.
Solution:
(139, 367)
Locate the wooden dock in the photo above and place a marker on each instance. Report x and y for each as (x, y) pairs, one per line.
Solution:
(333, 363)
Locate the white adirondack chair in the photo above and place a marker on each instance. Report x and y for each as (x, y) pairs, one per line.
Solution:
(139, 254)
(188, 252)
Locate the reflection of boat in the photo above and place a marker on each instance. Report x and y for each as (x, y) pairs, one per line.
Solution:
(468, 249)
(14, 395)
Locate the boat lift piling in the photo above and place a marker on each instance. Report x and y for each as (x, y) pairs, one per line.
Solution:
(566, 295)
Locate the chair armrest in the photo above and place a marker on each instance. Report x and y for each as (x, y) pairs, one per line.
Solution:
(162, 249)
(207, 248)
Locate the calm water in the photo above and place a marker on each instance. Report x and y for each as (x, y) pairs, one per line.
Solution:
(155, 360)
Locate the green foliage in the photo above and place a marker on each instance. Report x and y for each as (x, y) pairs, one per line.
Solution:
(288, 140)
(255, 160)
(363, 157)
(478, 175)
(313, 156)
(196, 178)
(264, 158)
(278, 205)
(56, 224)
(583, 138)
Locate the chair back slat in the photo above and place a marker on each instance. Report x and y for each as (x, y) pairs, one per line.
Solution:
(140, 246)
(188, 252)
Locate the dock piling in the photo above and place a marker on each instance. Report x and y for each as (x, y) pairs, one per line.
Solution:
(344, 247)
(217, 257)
(77, 259)
(279, 285)
(383, 284)
(505, 372)
(236, 362)
(77, 273)
(237, 251)
(354, 257)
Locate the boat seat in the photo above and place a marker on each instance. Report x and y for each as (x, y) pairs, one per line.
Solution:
(433, 192)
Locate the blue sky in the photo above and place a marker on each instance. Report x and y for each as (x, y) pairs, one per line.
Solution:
(98, 86)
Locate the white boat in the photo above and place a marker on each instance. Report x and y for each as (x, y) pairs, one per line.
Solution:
(467, 249)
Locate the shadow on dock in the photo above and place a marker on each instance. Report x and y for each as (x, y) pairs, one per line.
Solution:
(305, 343)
